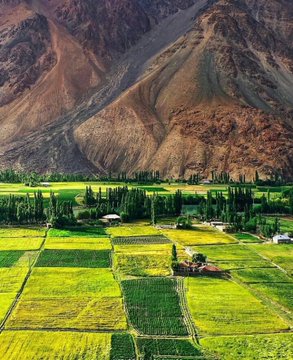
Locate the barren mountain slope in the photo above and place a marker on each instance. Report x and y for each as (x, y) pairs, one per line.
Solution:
(220, 98)
(87, 74)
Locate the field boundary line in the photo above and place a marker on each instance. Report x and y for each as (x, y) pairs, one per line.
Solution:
(19, 293)
(191, 328)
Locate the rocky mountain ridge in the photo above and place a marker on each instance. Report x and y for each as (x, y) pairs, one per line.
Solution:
(182, 86)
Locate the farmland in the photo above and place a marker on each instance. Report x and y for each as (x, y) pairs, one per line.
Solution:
(88, 292)
(70, 298)
(199, 236)
(28, 345)
(257, 347)
(78, 243)
(18, 244)
(74, 258)
(222, 307)
(279, 254)
(153, 306)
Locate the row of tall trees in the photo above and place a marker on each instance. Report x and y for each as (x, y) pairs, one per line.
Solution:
(132, 203)
(27, 210)
(237, 209)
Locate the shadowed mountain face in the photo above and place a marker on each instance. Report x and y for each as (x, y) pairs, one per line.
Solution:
(182, 86)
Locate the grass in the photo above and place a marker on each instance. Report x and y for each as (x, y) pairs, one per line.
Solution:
(247, 238)
(9, 258)
(70, 298)
(28, 345)
(140, 240)
(153, 306)
(18, 232)
(168, 347)
(20, 243)
(257, 347)
(78, 243)
(122, 347)
(222, 307)
(89, 232)
(132, 230)
(198, 236)
(75, 258)
(280, 254)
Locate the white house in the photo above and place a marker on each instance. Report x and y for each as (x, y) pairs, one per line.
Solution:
(111, 218)
(281, 239)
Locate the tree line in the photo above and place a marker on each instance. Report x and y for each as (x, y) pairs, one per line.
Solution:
(131, 203)
(26, 210)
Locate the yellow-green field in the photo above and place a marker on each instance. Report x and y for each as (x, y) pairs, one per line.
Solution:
(84, 312)
(134, 230)
(18, 232)
(222, 307)
(143, 260)
(70, 298)
(199, 236)
(82, 243)
(29, 243)
(37, 345)
(281, 255)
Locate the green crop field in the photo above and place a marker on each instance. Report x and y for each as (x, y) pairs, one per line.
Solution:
(122, 347)
(257, 347)
(140, 240)
(222, 307)
(169, 347)
(273, 275)
(70, 298)
(78, 243)
(153, 306)
(75, 258)
(134, 230)
(9, 258)
(199, 236)
(279, 254)
(281, 293)
(247, 238)
(90, 292)
(18, 232)
(20, 243)
(143, 260)
(229, 257)
(89, 232)
(29, 345)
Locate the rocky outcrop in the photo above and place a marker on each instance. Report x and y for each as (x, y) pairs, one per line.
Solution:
(25, 55)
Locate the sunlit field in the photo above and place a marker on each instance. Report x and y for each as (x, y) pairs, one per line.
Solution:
(199, 236)
(70, 298)
(222, 307)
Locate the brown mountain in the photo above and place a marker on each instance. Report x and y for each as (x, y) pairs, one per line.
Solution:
(183, 86)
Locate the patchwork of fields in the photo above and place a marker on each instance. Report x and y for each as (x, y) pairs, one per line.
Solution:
(93, 294)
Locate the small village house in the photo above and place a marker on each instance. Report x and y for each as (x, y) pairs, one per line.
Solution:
(111, 219)
(282, 239)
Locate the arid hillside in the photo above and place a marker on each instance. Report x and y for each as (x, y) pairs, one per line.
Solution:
(182, 86)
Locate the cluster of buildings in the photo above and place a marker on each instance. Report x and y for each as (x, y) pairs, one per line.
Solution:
(189, 268)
